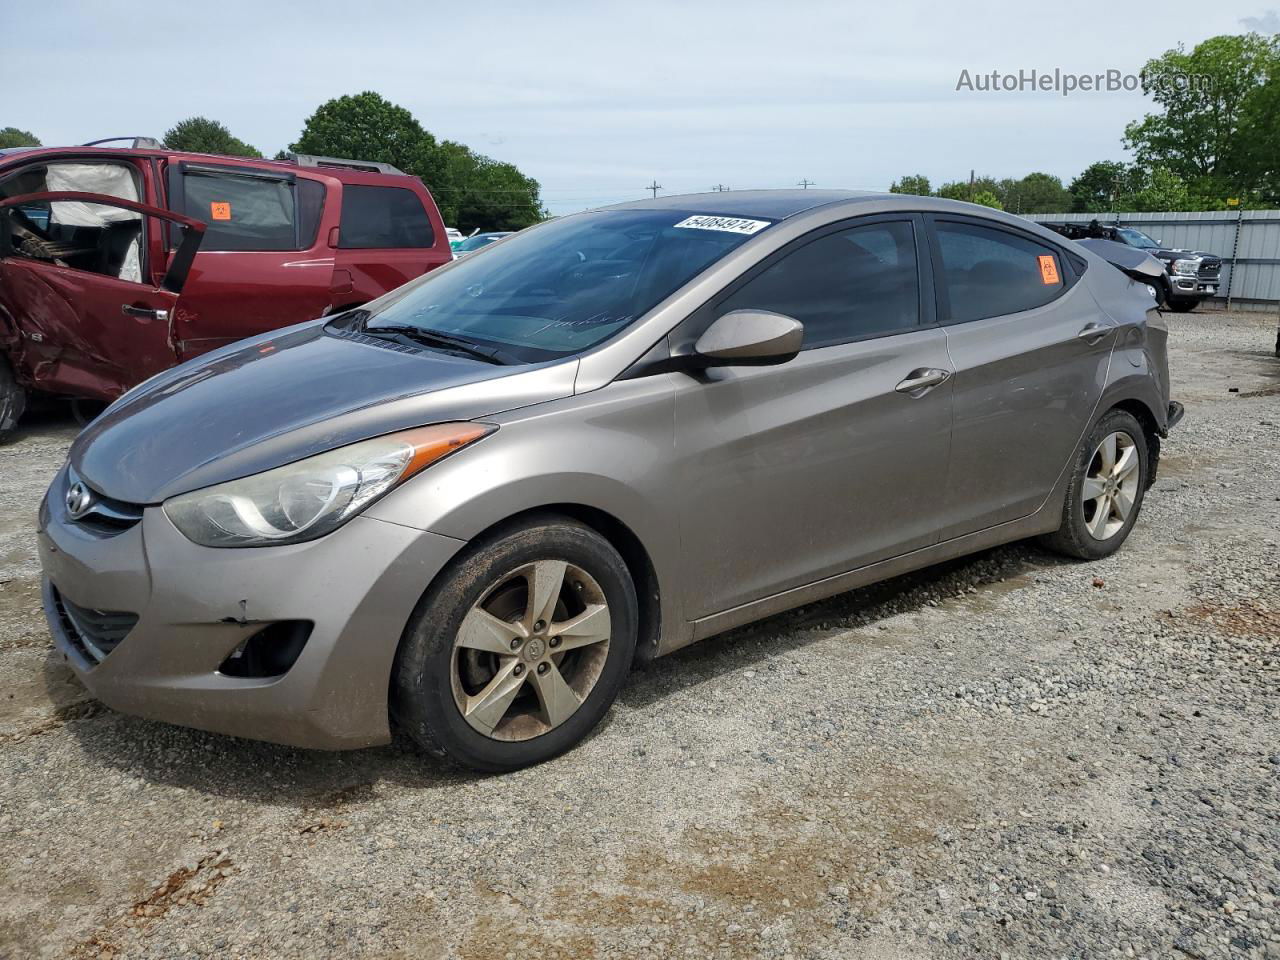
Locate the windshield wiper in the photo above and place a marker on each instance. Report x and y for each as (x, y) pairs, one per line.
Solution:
(440, 339)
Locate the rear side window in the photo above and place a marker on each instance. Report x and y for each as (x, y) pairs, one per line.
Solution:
(849, 285)
(383, 218)
(249, 211)
(989, 273)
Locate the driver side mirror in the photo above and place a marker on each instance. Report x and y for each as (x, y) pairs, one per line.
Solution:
(749, 338)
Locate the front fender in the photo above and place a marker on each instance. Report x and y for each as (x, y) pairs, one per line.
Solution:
(608, 451)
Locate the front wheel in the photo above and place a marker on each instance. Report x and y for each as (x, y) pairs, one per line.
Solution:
(1183, 305)
(519, 649)
(13, 400)
(1106, 489)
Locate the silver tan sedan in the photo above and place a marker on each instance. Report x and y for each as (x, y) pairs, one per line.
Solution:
(468, 507)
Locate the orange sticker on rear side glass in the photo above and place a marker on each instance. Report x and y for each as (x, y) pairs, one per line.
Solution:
(222, 211)
(1048, 270)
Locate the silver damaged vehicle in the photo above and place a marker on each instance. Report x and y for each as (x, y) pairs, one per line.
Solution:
(469, 506)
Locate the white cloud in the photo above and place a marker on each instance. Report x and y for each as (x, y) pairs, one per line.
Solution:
(1268, 22)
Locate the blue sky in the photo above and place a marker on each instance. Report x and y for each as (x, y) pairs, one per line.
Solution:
(596, 100)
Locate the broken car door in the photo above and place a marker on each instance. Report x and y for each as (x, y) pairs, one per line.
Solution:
(81, 327)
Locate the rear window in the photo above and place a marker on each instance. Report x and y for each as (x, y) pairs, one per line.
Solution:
(988, 272)
(383, 218)
(245, 210)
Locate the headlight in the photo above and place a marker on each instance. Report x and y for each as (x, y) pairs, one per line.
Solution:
(1186, 268)
(307, 499)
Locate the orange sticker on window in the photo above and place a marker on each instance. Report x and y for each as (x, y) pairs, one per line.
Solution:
(1048, 270)
(222, 211)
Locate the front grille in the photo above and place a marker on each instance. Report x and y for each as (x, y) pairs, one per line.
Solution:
(105, 516)
(109, 517)
(95, 633)
(1210, 268)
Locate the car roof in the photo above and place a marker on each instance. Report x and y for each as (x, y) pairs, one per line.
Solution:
(341, 174)
(771, 204)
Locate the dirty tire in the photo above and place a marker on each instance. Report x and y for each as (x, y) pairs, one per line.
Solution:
(13, 400)
(1073, 538)
(1183, 306)
(422, 692)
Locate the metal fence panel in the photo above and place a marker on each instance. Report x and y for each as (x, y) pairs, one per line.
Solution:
(1248, 242)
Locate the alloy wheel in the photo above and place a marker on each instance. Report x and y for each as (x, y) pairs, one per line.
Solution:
(1110, 486)
(531, 650)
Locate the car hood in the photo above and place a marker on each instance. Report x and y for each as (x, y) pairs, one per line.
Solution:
(287, 395)
(1174, 253)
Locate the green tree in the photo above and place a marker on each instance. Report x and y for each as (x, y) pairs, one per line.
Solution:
(1161, 189)
(1258, 153)
(13, 137)
(202, 135)
(987, 198)
(1034, 193)
(1207, 97)
(1100, 184)
(964, 190)
(472, 191)
(367, 126)
(916, 184)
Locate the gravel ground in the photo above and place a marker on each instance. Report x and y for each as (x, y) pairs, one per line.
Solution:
(1006, 756)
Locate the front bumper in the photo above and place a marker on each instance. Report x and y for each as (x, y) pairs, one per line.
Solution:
(1183, 286)
(195, 605)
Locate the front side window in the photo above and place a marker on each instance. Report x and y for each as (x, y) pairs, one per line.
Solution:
(383, 218)
(849, 285)
(988, 272)
(70, 233)
(567, 285)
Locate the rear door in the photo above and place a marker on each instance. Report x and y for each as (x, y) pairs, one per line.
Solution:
(835, 459)
(1030, 349)
(265, 262)
(84, 330)
(389, 234)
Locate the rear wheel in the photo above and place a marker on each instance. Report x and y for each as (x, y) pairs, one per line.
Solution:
(1106, 489)
(13, 400)
(520, 648)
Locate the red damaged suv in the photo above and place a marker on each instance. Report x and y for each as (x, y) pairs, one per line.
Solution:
(117, 263)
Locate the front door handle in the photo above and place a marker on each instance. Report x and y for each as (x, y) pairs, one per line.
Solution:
(921, 381)
(146, 313)
(1093, 332)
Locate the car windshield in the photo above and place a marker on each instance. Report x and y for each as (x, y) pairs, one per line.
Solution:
(567, 285)
(476, 242)
(1136, 238)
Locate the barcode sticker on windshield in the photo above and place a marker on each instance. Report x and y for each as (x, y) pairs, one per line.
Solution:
(725, 224)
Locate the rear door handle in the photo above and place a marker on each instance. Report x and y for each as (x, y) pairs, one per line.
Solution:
(145, 312)
(921, 381)
(1093, 332)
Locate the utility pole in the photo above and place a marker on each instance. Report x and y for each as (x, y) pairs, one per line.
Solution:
(655, 187)
(720, 188)
(971, 186)
(805, 184)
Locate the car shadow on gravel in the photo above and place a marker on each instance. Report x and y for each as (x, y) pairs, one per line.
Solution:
(998, 569)
(318, 780)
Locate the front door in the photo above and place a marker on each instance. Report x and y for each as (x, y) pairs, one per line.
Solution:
(82, 329)
(835, 459)
(1030, 349)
